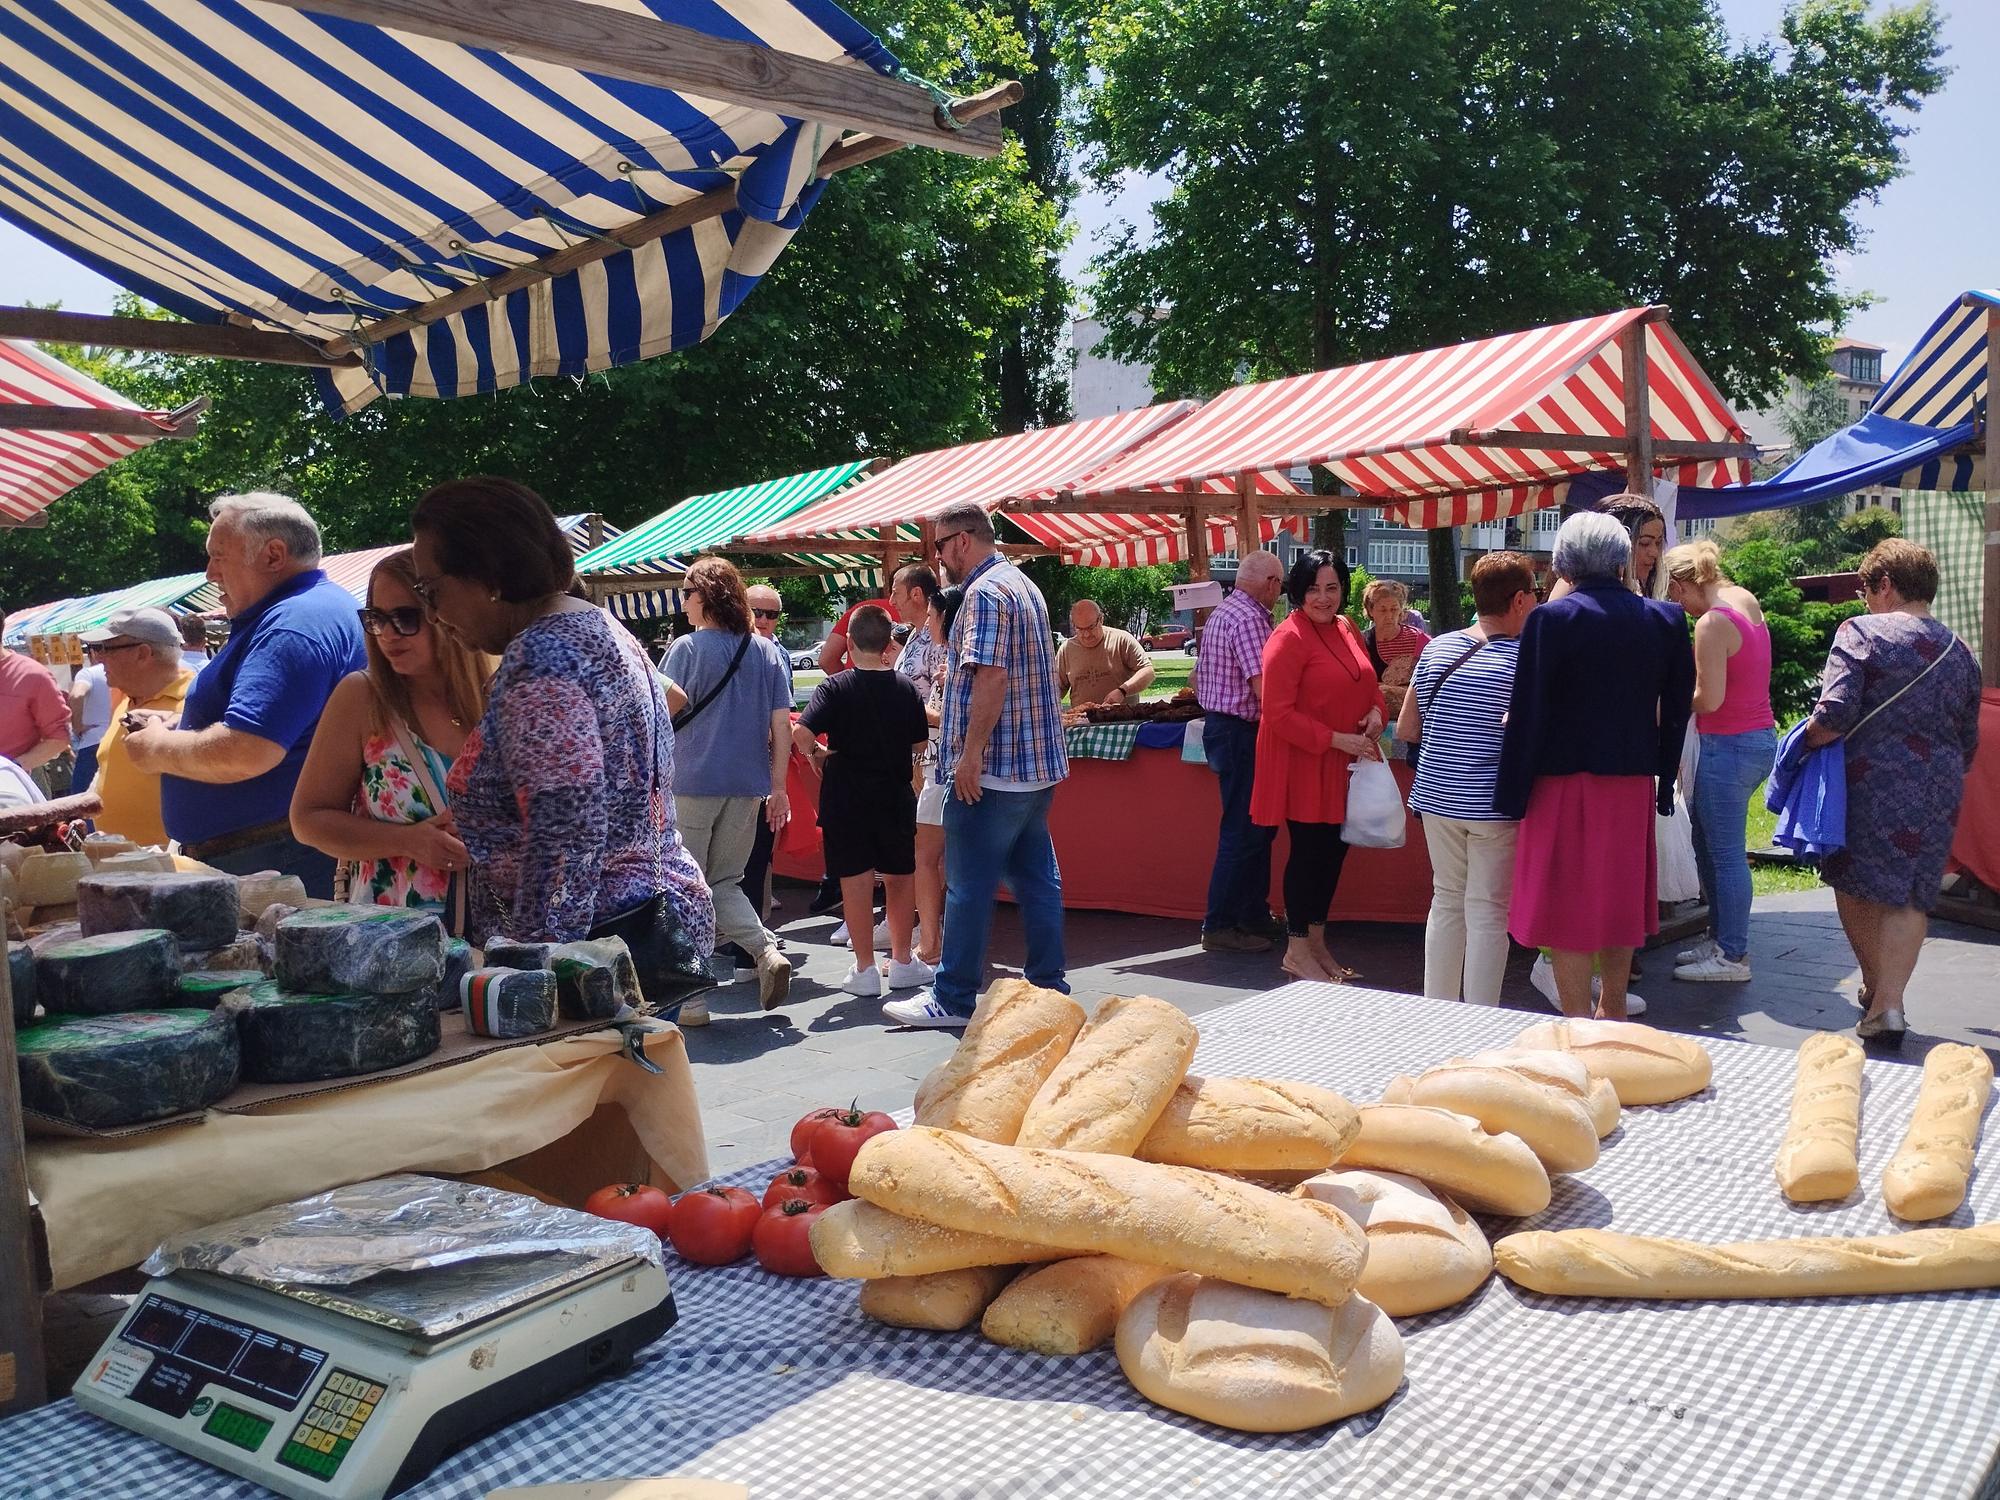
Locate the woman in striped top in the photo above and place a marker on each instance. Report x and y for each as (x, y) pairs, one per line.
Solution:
(1394, 643)
(1457, 709)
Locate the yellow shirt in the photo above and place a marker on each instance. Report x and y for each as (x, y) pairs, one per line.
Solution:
(132, 796)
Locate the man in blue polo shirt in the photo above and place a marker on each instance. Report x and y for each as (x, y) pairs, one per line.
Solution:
(228, 768)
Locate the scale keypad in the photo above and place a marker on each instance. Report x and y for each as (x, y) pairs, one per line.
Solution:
(331, 1424)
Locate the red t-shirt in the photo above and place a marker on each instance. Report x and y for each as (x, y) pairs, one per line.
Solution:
(32, 707)
(840, 626)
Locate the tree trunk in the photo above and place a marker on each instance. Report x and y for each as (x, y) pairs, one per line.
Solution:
(1445, 613)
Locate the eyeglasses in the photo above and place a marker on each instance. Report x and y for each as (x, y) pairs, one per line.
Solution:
(407, 620)
(426, 590)
(108, 648)
(937, 542)
(768, 614)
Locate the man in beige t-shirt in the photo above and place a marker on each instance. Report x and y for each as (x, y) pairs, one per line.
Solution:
(1100, 664)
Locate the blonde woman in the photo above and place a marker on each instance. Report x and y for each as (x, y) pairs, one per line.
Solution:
(372, 790)
(1393, 642)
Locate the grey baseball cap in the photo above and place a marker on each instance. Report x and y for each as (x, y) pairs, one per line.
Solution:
(153, 626)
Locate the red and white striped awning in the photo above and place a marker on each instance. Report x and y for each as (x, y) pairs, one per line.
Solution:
(1388, 428)
(38, 466)
(1021, 468)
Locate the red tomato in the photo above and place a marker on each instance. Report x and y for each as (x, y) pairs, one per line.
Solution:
(780, 1238)
(838, 1139)
(711, 1226)
(801, 1182)
(802, 1133)
(631, 1203)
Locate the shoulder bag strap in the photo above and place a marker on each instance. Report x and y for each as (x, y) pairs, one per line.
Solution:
(1462, 658)
(686, 716)
(420, 766)
(1936, 662)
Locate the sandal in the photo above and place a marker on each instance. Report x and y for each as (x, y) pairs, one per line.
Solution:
(1316, 977)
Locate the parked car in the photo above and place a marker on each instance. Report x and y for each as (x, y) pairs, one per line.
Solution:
(1169, 638)
(805, 661)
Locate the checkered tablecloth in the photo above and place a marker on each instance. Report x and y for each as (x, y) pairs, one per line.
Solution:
(784, 1386)
(1102, 741)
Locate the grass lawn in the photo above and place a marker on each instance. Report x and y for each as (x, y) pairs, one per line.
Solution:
(1768, 879)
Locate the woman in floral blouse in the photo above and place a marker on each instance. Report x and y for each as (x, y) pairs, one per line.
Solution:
(372, 790)
(564, 794)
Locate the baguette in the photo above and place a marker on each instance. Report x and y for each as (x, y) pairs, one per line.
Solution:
(1424, 1252)
(1816, 1160)
(1560, 1070)
(1071, 1307)
(858, 1240)
(1646, 1065)
(1926, 1177)
(1017, 1035)
(1086, 1203)
(944, 1301)
(1489, 1174)
(1556, 1124)
(1251, 1125)
(1254, 1361)
(1599, 1263)
(1122, 1069)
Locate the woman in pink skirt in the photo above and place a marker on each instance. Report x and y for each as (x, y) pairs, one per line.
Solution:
(1601, 703)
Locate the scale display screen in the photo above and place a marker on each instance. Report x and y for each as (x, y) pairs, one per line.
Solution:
(245, 1359)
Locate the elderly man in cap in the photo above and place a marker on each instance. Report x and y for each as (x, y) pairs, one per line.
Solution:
(229, 769)
(140, 651)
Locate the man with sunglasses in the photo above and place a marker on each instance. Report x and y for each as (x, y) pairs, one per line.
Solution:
(140, 651)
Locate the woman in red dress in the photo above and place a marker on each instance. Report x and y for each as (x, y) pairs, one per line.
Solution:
(1322, 711)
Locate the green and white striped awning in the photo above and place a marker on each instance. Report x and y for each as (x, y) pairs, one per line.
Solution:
(88, 613)
(703, 522)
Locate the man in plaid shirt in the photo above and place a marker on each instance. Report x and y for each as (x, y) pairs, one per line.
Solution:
(1229, 686)
(1000, 750)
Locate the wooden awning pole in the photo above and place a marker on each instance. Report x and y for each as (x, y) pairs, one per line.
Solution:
(1249, 531)
(1638, 412)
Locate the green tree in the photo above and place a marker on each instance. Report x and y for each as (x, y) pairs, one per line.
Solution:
(1120, 592)
(1801, 631)
(1354, 178)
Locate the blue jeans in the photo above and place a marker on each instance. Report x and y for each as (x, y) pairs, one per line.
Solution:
(1002, 835)
(1731, 767)
(1239, 888)
(85, 772)
(285, 855)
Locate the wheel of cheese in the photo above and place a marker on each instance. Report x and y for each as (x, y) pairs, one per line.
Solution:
(508, 1002)
(457, 964)
(50, 880)
(206, 987)
(113, 971)
(298, 1038)
(102, 1072)
(199, 910)
(360, 950)
(506, 953)
(595, 979)
(21, 977)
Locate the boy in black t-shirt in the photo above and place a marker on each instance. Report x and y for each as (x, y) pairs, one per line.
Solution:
(874, 724)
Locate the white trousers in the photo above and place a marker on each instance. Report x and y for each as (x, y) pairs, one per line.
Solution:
(1472, 880)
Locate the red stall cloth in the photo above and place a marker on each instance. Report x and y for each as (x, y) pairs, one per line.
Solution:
(1138, 836)
(1976, 845)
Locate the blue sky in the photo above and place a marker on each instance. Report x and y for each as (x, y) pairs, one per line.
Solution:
(1929, 238)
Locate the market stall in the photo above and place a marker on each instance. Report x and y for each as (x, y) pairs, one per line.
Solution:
(783, 1386)
(1976, 845)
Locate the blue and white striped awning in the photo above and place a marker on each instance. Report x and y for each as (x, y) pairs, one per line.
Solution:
(294, 171)
(1942, 382)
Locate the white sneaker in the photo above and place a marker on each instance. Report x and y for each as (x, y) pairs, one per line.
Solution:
(693, 1013)
(1706, 948)
(1543, 977)
(867, 983)
(882, 937)
(1715, 969)
(922, 1009)
(1635, 1005)
(907, 976)
(839, 938)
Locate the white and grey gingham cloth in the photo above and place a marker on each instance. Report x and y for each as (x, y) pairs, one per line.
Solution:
(784, 1386)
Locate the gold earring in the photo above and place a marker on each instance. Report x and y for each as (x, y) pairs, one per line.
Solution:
(494, 595)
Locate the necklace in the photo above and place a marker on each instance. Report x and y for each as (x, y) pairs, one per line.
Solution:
(1344, 664)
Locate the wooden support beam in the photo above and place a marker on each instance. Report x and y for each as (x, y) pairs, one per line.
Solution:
(1249, 530)
(610, 43)
(111, 421)
(603, 585)
(1195, 519)
(927, 543)
(593, 530)
(1638, 411)
(213, 340)
(1576, 442)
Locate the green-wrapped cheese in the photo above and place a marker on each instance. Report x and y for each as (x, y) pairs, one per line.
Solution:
(113, 971)
(106, 1071)
(289, 1037)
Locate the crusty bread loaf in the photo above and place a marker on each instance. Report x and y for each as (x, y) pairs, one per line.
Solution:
(1255, 1361)
(1487, 1173)
(1070, 1307)
(1561, 1070)
(1122, 1069)
(1424, 1252)
(928, 1085)
(1088, 1203)
(1816, 1160)
(1556, 1124)
(1017, 1035)
(1605, 1109)
(856, 1239)
(1926, 1177)
(1646, 1065)
(944, 1300)
(1251, 1125)
(1598, 1263)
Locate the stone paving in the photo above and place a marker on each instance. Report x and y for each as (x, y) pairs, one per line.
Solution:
(756, 1073)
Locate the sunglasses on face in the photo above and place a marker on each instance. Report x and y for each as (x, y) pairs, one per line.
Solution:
(407, 620)
(767, 614)
(937, 542)
(109, 648)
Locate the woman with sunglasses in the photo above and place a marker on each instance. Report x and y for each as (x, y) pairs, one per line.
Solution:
(372, 791)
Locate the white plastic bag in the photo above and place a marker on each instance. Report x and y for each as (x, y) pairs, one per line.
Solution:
(1375, 818)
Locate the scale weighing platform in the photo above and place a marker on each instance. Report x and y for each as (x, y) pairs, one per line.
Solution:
(354, 1392)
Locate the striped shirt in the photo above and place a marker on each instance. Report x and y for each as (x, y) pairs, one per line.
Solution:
(1232, 652)
(1462, 725)
(1004, 623)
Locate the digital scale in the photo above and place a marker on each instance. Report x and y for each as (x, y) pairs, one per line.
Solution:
(354, 1392)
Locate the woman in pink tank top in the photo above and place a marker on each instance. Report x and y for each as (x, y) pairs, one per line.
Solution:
(1739, 737)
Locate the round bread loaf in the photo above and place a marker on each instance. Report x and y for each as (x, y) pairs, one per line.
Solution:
(1487, 1173)
(1556, 1124)
(1424, 1252)
(1561, 1070)
(1257, 1361)
(1644, 1064)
